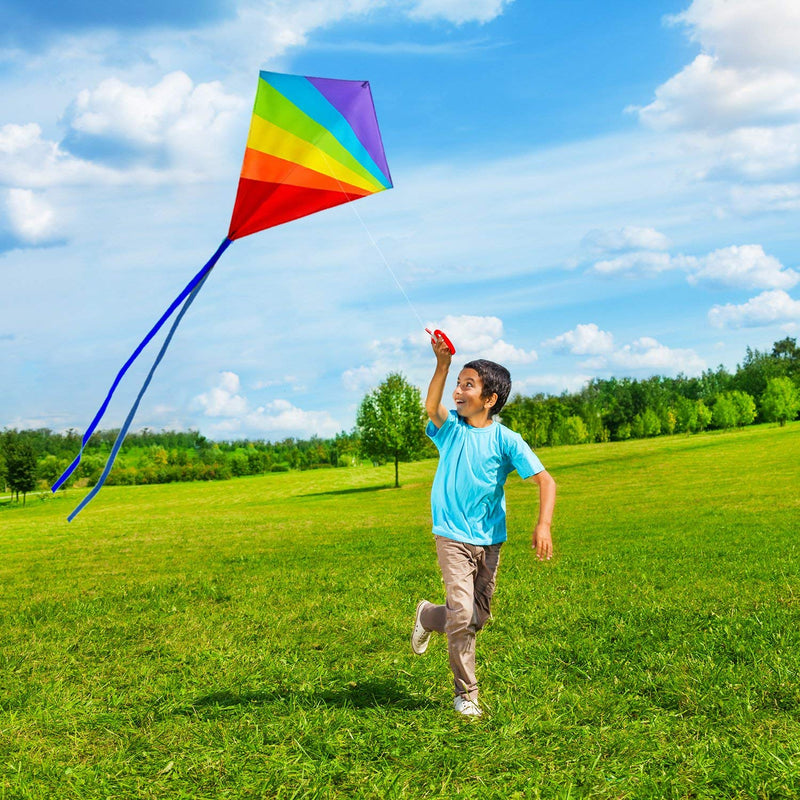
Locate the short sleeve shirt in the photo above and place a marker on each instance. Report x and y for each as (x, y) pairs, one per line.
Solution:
(467, 499)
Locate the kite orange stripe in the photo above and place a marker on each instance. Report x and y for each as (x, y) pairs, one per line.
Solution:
(260, 166)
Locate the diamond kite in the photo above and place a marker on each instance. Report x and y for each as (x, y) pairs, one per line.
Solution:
(314, 143)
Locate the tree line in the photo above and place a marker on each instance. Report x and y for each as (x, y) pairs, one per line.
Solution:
(765, 387)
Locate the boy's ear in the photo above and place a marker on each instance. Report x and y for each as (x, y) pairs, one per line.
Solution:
(489, 402)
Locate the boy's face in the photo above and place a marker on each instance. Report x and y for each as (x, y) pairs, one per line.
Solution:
(468, 395)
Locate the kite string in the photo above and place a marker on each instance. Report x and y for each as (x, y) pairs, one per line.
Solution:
(332, 171)
(386, 264)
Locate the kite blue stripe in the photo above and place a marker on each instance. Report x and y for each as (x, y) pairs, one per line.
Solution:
(124, 429)
(309, 101)
(190, 287)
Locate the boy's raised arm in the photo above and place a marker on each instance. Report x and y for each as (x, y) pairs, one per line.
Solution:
(437, 413)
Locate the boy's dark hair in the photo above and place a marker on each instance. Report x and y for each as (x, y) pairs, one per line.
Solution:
(496, 379)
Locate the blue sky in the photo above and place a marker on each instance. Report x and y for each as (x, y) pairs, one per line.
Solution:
(581, 190)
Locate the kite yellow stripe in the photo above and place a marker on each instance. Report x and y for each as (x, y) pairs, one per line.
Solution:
(269, 138)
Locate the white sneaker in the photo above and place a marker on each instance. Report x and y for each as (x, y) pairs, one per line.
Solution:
(420, 636)
(469, 708)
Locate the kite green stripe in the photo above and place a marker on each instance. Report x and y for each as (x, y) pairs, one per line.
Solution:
(272, 106)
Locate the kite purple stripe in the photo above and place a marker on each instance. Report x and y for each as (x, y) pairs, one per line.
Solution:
(353, 100)
(164, 317)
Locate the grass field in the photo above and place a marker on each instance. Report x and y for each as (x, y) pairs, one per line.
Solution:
(249, 638)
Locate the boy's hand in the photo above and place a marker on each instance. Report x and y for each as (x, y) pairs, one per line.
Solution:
(441, 351)
(542, 541)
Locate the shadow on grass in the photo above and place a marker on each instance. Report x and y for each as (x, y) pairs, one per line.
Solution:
(349, 491)
(363, 694)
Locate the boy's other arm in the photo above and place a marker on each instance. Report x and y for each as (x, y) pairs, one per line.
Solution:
(542, 541)
(437, 413)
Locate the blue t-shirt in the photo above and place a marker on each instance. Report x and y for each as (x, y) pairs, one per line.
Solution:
(467, 499)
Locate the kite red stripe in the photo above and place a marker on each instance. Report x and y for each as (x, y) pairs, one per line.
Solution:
(261, 205)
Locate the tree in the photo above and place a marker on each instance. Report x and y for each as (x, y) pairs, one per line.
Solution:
(391, 422)
(723, 415)
(20, 466)
(745, 407)
(780, 401)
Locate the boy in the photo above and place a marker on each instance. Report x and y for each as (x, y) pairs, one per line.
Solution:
(476, 454)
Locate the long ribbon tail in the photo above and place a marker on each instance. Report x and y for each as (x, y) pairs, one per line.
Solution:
(187, 290)
(124, 429)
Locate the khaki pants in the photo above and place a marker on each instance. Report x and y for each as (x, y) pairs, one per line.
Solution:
(469, 572)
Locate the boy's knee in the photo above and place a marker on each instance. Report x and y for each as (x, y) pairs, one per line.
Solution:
(460, 618)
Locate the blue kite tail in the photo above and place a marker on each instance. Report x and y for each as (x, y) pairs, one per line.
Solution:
(188, 289)
(124, 429)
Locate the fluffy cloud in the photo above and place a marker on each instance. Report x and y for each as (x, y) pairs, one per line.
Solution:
(584, 340)
(29, 161)
(31, 218)
(648, 355)
(233, 414)
(747, 267)
(739, 99)
(741, 266)
(706, 95)
(173, 123)
(482, 337)
(768, 308)
(746, 33)
(633, 251)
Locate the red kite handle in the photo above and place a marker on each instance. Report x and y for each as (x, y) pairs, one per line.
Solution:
(443, 337)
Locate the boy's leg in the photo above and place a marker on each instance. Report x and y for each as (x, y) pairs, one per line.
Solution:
(459, 565)
(485, 582)
(433, 617)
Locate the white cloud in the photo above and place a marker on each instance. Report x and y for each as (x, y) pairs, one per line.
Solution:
(550, 383)
(189, 125)
(31, 217)
(481, 337)
(748, 199)
(739, 99)
(458, 11)
(768, 308)
(643, 262)
(629, 237)
(583, 340)
(746, 33)
(29, 161)
(224, 399)
(742, 266)
(648, 355)
(707, 95)
(746, 266)
(233, 414)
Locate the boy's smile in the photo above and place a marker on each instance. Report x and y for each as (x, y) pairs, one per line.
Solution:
(469, 400)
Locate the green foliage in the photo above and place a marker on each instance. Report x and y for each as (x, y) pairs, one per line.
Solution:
(391, 421)
(780, 401)
(20, 464)
(250, 639)
(623, 408)
(723, 414)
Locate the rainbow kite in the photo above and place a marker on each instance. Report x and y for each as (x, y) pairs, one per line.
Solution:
(314, 143)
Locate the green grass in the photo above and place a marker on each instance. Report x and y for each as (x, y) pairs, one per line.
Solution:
(249, 638)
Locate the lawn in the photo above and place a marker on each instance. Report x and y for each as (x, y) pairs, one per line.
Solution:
(249, 638)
